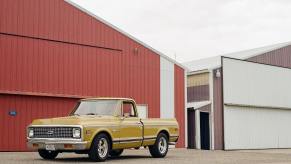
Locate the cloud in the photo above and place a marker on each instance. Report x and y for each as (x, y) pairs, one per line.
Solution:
(194, 29)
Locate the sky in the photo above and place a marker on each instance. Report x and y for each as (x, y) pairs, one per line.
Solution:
(187, 30)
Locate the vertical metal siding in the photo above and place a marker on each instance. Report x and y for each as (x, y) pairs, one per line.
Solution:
(48, 71)
(198, 87)
(218, 112)
(27, 108)
(180, 103)
(198, 93)
(280, 57)
(54, 19)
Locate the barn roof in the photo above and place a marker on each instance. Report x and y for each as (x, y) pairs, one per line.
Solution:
(215, 62)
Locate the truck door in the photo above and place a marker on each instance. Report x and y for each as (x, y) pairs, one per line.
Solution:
(131, 128)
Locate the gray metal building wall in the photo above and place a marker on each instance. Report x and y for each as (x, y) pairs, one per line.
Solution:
(279, 57)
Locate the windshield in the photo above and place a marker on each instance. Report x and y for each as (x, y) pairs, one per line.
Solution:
(96, 107)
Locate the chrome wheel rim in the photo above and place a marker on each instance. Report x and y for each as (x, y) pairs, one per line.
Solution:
(102, 147)
(163, 145)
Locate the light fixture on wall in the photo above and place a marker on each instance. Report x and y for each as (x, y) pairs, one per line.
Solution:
(135, 51)
(217, 73)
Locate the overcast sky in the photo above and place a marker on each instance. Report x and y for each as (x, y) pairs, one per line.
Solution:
(194, 29)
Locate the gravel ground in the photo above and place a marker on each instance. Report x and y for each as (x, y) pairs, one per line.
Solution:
(175, 156)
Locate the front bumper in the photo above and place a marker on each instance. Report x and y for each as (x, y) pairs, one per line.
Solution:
(59, 144)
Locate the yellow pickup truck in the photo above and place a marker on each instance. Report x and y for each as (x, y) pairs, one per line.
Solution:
(102, 127)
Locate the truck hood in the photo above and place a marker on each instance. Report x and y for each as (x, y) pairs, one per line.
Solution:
(75, 120)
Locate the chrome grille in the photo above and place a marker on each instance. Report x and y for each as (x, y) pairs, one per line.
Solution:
(53, 132)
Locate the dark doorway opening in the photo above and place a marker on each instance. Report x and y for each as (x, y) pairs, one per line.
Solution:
(204, 130)
(191, 129)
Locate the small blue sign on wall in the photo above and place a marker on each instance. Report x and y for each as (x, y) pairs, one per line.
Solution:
(12, 113)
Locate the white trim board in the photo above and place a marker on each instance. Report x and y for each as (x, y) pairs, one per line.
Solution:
(167, 89)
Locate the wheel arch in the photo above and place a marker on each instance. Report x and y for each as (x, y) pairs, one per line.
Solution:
(107, 133)
(165, 131)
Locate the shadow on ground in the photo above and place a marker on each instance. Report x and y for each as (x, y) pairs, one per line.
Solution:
(87, 159)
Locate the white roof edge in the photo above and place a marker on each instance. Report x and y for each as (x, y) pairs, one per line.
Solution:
(125, 33)
(216, 67)
(197, 105)
(275, 47)
(199, 71)
(254, 52)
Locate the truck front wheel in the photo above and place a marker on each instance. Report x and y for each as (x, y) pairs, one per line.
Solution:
(100, 148)
(161, 146)
(45, 154)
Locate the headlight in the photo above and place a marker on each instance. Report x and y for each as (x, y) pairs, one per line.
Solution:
(76, 133)
(30, 133)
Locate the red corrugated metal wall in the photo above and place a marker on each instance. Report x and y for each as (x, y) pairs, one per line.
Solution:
(58, 68)
(180, 103)
(41, 66)
(51, 52)
(72, 61)
(56, 20)
(13, 128)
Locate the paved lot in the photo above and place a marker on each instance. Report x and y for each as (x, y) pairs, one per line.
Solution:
(175, 156)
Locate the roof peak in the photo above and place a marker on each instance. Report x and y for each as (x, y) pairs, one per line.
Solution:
(214, 61)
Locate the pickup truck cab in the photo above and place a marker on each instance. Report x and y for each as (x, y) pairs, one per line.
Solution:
(102, 127)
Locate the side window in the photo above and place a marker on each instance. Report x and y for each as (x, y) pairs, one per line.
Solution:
(127, 108)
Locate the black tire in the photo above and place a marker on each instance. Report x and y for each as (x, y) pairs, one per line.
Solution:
(156, 150)
(115, 153)
(45, 154)
(101, 156)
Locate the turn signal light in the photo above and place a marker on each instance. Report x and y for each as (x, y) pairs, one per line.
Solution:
(68, 146)
(35, 145)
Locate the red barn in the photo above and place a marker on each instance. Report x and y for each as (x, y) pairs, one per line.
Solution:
(53, 52)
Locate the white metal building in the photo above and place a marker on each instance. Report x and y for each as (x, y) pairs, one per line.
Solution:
(249, 97)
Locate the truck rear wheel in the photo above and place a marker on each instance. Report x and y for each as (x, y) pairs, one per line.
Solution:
(161, 146)
(100, 148)
(115, 153)
(45, 154)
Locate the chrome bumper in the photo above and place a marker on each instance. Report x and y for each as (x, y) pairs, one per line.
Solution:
(58, 144)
